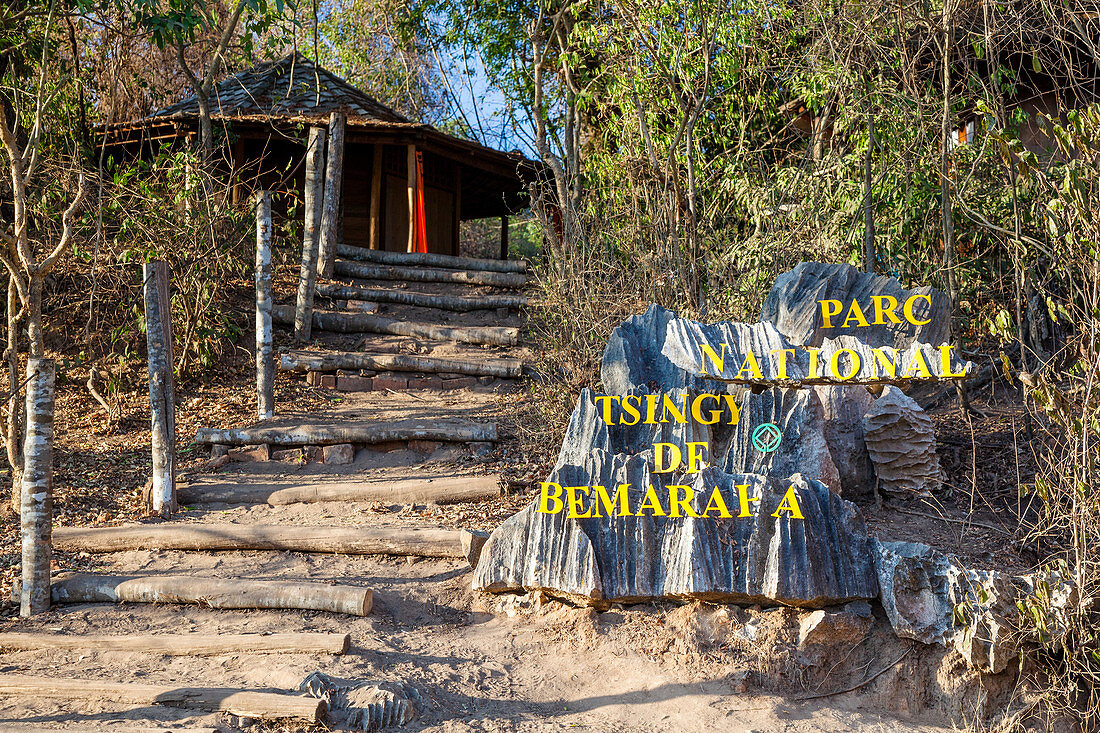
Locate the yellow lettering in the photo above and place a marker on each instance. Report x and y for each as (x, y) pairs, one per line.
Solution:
(718, 360)
(546, 496)
(575, 502)
(889, 363)
(651, 409)
(853, 360)
(814, 373)
(695, 457)
(631, 410)
(735, 411)
(718, 503)
(855, 312)
(676, 504)
(885, 310)
(827, 312)
(921, 363)
(606, 405)
(622, 493)
(945, 362)
(696, 411)
(790, 504)
(652, 503)
(674, 459)
(908, 309)
(669, 405)
(743, 496)
(752, 365)
(781, 361)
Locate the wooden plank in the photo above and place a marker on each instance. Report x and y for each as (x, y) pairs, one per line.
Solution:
(375, 199)
(180, 645)
(367, 323)
(431, 260)
(455, 303)
(210, 592)
(410, 541)
(443, 490)
(327, 361)
(359, 434)
(430, 275)
(234, 701)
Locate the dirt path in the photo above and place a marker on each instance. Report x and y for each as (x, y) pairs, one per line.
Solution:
(479, 663)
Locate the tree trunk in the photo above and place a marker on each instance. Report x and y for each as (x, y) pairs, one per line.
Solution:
(180, 645)
(36, 516)
(366, 323)
(430, 275)
(452, 490)
(455, 303)
(868, 203)
(328, 361)
(334, 179)
(162, 407)
(449, 262)
(14, 436)
(265, 357)
(358, 434)
(315, 155)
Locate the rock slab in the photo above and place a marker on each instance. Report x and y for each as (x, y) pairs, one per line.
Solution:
(901, 441)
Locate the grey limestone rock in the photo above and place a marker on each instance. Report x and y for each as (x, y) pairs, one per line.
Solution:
(363, 706)
(820, 560)
(792, 306)
(901, 441)
(843, 409)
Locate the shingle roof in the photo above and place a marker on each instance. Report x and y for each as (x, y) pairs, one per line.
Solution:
(294, 85)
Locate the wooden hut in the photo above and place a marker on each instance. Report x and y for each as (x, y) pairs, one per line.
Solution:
(396, 172)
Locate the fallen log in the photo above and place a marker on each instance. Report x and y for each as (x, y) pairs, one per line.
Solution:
(327, 361)
(448, 490)
(179, 645)
(429, 275)
(358, 434)
(367, 323)
(243, 703)
(413, 541)
(422, 300)
(210, 592)
(429, 260)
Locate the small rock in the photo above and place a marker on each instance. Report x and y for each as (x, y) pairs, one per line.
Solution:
(338, 455)
(290, 455)
(354, 384)
(485, 380)
(313, 379)
(314, 453)
(833, 628)
(459, 383)
(328, 381)
(247, 453)
(472, 542)
(362, 306)
(219, 449)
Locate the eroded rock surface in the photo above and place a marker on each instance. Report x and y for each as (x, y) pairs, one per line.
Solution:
(901, 440)
(363, 706)
(820, 560)
(843, 409)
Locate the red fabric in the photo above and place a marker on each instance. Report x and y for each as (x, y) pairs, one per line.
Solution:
(421, 238)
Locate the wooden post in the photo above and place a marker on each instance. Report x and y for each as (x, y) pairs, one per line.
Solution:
(334, 178)
(315, 182)
(376, 199)
(504, 237)
(457, 232)
(36, 505)
(265, 358)
(162, 389)
(411, 176)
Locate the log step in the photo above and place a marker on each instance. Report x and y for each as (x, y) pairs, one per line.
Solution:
(459, 304)
(437, 490)
(178, 645)
(243, 703)
(429, 260)
(411, 541)
(362, 271)
(356, 434)
(328, 361)
(366, 323)
(381, 383)
(209, 592)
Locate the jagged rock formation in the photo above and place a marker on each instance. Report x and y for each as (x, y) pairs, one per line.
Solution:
(901, 441)
(363, 706)
(843, 409)
(792, 306)
(813, 562)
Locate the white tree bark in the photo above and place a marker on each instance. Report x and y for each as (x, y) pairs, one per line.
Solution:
(315, 183)
(265, 358)
(36, 506)
(334, 179)
(162, 402)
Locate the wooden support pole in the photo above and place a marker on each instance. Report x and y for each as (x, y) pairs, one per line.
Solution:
(456, 303)
(357, 434)
(429, 259)
(265, 357)
(330, 361)
(376, 198)
(243, 703)
(457, 226)
(334, 180)
(314, 193)
(504, 237)
(211, 592)
(367, 323)
(411, 246)
(411, 541)
(366, 271)
(162, 389)
(36, 505)
(183, 645)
